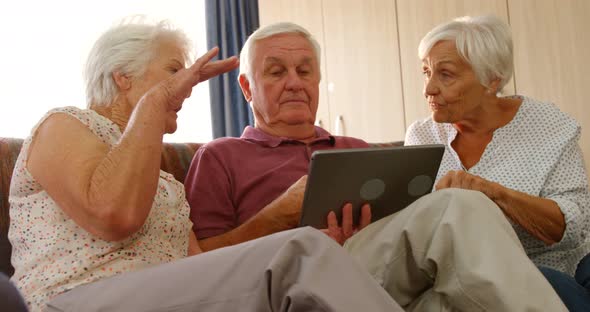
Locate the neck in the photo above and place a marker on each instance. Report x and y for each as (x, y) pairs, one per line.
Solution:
(300, 132)
(117, 112)
(489, 117)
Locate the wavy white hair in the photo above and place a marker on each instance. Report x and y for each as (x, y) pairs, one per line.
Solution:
(484, 42)
(127, 48)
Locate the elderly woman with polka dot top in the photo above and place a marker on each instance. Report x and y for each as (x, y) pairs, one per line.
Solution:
(97, 226)
(521, 153)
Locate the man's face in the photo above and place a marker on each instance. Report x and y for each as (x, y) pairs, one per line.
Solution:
(284, 87)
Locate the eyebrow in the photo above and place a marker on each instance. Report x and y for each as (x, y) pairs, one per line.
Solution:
(275, 60)
(446, 62)
(443, 62)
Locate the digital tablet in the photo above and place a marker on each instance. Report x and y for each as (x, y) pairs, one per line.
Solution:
(389, 179)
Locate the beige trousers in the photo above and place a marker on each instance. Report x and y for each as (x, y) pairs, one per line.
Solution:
(292, 271)
(453, 250)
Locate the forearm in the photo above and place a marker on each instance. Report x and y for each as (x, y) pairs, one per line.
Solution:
(540, 217)
(193, 245)
(125, 181)
(258, 226)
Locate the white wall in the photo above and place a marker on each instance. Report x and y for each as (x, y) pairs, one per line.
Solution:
(45, 44)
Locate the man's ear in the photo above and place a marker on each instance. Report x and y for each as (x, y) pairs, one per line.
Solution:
(245, 86)
(122, 81)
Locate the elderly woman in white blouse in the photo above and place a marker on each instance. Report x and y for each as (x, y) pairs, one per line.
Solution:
(96, 226)
(521, 153)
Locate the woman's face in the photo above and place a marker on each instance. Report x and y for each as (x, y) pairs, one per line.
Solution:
(168, 60)
(451, 87)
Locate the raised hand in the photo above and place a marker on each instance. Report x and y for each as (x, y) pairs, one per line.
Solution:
(173, 91)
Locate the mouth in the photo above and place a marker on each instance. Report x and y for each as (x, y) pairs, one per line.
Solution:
(295, 102)
(435, 106)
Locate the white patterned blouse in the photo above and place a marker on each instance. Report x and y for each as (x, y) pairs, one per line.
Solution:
(536, 153)
(52, 254)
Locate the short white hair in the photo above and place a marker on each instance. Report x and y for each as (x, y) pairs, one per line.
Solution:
(247, 55)
(127, 48)
(484, 42)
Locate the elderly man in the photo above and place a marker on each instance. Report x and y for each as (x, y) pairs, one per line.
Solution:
(236, 186)
(450, 250)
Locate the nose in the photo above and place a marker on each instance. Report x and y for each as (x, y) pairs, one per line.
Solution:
(294, 81)
(430, 87)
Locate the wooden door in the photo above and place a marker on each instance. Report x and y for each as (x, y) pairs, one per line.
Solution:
(363, 70)
(552, 48)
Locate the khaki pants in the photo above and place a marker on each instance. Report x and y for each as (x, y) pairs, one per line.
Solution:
(453, 250)
(297, 270)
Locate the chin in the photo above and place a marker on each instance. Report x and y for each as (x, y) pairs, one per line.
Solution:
(299, 118)
(171, 127)
(440, 118)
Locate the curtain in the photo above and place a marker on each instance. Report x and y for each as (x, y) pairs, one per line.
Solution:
(229, 23)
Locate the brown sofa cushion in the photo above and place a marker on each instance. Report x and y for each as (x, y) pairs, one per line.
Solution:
(9, 149)
(176, 158)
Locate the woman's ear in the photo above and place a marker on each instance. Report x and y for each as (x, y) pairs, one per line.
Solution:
(122, 81)
(493, 88)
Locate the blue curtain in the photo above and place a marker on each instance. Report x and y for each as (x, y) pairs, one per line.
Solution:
(229, 23)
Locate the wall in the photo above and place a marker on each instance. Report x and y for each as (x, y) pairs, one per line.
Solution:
(372, 76)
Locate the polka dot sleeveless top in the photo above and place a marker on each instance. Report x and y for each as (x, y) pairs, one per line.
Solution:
(52, 254)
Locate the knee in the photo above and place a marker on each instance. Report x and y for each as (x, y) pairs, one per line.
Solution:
(309, 238)
(459, 207)
(459, 194)
(308, 233)
(467, 203)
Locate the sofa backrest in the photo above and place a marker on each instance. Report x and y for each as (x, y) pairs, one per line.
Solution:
(9, 149)
(176, 159)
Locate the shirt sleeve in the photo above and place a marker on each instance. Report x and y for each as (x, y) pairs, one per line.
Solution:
(208, 192)
(567, 185)
(412, 135)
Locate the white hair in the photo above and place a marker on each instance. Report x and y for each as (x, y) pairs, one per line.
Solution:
(484, 42)
(127, 48)
(246, 55)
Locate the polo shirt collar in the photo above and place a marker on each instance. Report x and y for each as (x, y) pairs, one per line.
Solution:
(256, 135)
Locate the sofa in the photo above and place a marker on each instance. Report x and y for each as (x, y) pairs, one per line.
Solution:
(176, 159)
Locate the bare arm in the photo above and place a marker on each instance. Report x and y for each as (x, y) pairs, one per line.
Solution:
(281, 214)
(106, 191)
(109, 191)
(540, 217)
(193, 245)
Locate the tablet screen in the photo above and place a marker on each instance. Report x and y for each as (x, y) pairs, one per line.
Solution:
(389, 179)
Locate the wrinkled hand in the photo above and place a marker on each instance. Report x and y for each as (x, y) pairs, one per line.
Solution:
(341, 233)
(285, 211)
(465, 180)
(174, 90)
